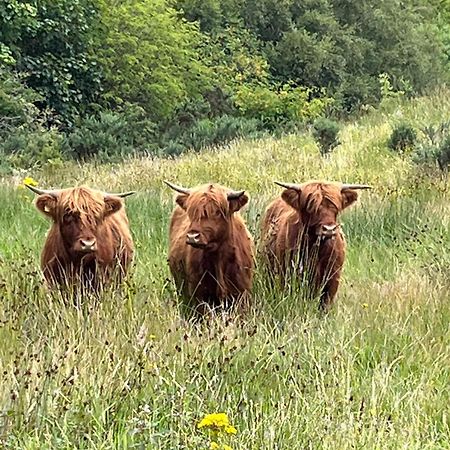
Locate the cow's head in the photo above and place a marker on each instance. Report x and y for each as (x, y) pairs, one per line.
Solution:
(79, 213)
(209, 208)
(319, 203)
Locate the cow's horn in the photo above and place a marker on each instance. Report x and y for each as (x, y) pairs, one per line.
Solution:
(180, 189)
(233, 195)
(121, 194)
(294, 186)
(356, 186)
(41, 191)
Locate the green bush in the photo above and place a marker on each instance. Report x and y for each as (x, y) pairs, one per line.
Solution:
(443, 157)
(207, 132)
(24, 140)
(434, 155)
(325, 132)
(436, 149)
(403, 138)
(275, 106)
(17, 102)
(150, 56)
(110, 136)
(50, 43)
(26, 148)
(426, 154)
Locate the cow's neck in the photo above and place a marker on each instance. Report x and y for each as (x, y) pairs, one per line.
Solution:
(307, 236)
(214, 266)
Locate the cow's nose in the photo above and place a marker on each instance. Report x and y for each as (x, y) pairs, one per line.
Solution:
(88, 245)
(329, 230)
(193, 238)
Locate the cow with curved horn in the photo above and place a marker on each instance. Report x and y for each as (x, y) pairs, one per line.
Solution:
(301, 234)
(89, 239)
(211, 251)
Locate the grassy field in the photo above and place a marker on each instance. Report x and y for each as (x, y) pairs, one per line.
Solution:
(130, 372)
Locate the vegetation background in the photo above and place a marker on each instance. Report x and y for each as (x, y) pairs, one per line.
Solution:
(104, 79)
(121, 95)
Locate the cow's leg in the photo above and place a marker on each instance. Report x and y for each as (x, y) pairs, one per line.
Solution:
(328, 293)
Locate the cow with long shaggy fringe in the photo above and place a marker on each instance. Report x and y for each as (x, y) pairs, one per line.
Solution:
(302, 237)
(211, 251)
(89, 240)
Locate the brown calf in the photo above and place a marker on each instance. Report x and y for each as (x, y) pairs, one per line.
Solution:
(211, 250)
(89, 239)
(300, 234)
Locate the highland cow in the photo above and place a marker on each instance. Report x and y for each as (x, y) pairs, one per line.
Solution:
(211, 251)
(89, 240)
(301, 235)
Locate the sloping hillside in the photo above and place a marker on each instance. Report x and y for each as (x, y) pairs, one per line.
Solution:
(130, 372)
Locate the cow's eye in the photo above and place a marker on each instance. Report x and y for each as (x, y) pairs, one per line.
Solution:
(67, 218)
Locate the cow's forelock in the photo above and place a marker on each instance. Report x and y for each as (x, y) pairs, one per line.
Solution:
(88, 204)
(313, 200)
(203, 205)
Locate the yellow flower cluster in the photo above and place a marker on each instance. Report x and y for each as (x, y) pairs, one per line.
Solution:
(217, 422)
(28, 180)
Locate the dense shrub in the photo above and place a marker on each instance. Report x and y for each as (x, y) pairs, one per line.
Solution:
(111, 135)
(150, 57)
(50, 42)
(275, 107)
(436, 148)
(403, 137)
(325, 132)
(443, 157)
(26, 147)
(260, 64)
(208, 132)
(16, 101)
(24, 140)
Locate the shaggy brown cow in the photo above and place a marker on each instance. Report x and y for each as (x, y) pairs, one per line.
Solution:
(300, 234)
(211, 251)
(89, 239)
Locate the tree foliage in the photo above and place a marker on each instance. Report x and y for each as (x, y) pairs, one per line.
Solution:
(150, 57)
(50, 41)
(82, 65)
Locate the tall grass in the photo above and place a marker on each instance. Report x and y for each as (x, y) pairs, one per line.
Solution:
(131, 372)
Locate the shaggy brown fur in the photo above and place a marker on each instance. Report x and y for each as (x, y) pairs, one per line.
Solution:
(300, 234)
(216, 268)
(82, 215)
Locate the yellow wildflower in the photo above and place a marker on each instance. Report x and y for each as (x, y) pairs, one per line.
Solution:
(365, 305)
(217, 421)
(30, 181)
(230, 429)
(226, 447)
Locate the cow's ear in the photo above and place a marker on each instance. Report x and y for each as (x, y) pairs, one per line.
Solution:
(181, 200)
(237, 203)
(349, 196)
(46, 203)
(112, 205)
(292, 198)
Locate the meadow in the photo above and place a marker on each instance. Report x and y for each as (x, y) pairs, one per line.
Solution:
(131, 372)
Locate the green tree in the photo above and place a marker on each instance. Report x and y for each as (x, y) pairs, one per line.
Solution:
(50, 41)
(344, 45)
(150, 56)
